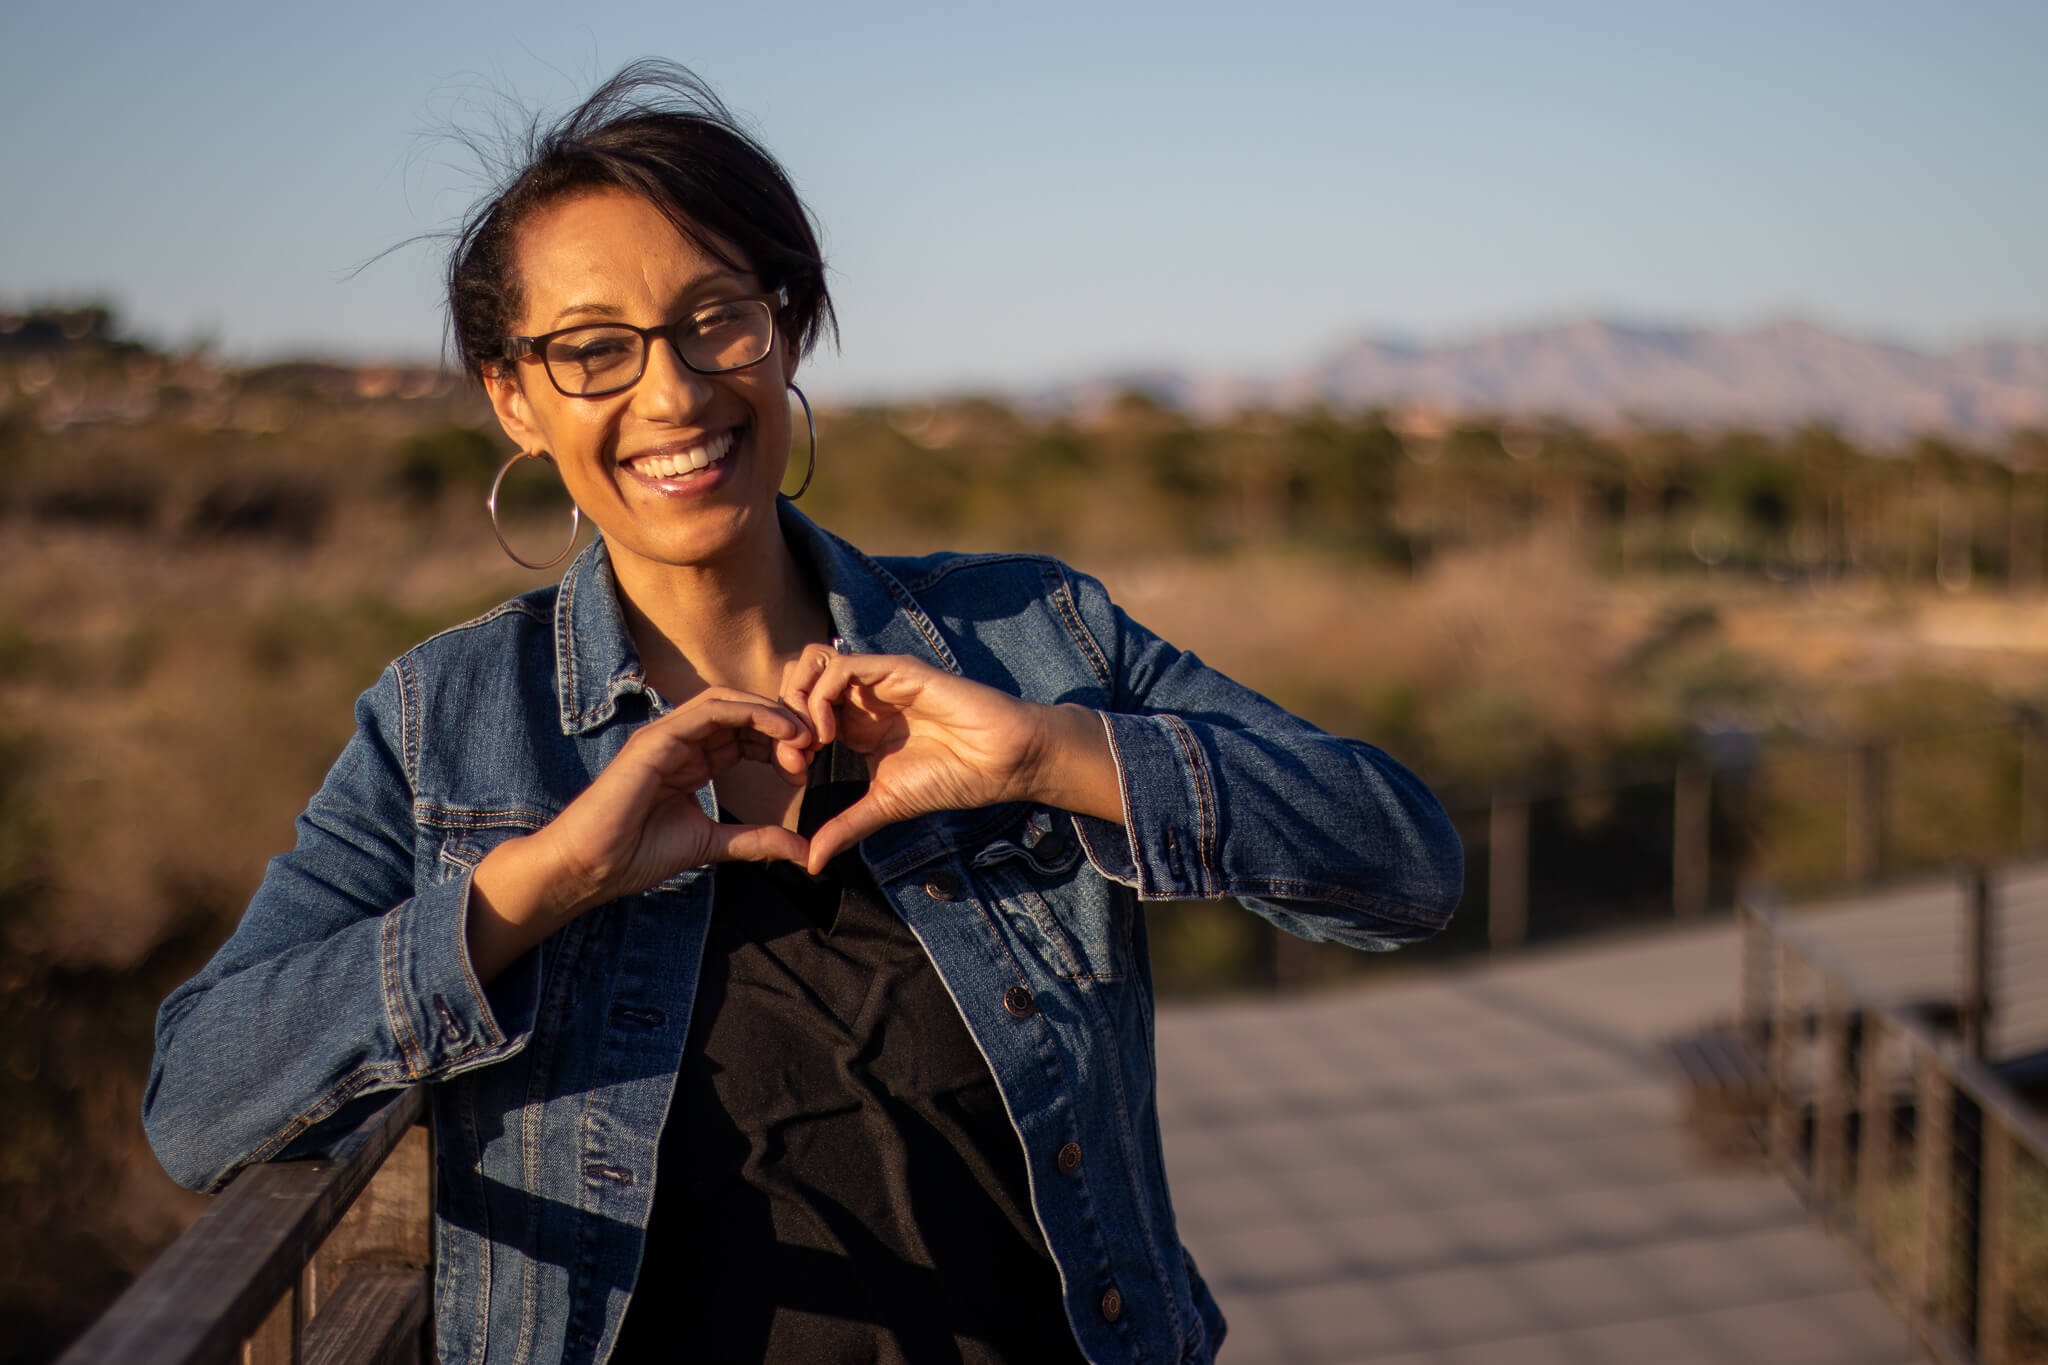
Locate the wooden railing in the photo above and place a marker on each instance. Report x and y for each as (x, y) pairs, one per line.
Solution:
(1906, 1145)
(319, 1262)
(1498, 820)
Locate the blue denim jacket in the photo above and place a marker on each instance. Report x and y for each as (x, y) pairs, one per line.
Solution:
(348, 974)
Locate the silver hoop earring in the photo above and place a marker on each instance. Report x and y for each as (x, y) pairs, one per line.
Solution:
(575, 515)
(811, 466)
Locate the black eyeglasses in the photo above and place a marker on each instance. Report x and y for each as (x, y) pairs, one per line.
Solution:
(603, 358)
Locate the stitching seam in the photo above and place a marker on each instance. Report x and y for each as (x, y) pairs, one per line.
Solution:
(401, 1027)
(1199, 777)
(1070, 616)
(903, 599)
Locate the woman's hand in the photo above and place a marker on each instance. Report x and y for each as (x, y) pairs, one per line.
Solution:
(934, 741)
(638, 824)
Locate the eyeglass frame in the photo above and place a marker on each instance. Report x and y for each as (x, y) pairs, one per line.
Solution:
(519, 348)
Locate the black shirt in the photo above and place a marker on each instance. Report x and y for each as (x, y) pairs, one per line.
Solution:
(837, 1178)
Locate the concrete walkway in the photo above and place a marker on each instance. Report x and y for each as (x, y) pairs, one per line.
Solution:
(1487, 1167)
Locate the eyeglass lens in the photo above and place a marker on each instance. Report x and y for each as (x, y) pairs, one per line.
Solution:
(725, 336)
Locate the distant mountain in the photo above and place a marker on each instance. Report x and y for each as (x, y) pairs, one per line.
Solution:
(1604, 373)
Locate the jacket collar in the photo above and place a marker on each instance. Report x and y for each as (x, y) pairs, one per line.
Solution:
(596, 663)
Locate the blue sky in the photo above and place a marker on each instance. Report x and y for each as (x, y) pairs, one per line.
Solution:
(1019, 194)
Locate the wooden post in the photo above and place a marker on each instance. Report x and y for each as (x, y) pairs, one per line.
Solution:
(1874, 1133)
(1866, 813)
(1692, 804)
(276, 1342)
(1830, 1102)
(1756, 966)
(1290, 959)
(1994, 1266)
(2033, 781)
(1786, 1019)
(1934, 1122)
(391, 1222)
(389, 1227)
(1974, 1009)
(1507, 873)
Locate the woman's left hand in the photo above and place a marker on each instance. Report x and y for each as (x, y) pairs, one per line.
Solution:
(934, 741)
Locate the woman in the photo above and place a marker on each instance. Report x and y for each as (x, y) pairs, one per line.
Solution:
(764, 915)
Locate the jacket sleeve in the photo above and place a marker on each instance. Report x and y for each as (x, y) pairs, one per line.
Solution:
(343, 979)
(1227, 794)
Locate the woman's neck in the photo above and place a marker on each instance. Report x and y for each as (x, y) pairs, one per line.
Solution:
(731, 624)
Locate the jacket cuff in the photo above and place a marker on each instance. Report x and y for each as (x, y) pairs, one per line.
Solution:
(442, 1017)
(1169, 810)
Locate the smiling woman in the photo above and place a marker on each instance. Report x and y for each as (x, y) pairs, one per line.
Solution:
(762, 916)
(678, 462)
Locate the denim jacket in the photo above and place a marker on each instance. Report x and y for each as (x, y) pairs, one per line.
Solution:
(348, 974)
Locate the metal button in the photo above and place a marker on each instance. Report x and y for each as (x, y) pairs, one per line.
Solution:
(1112, 1305)
(1069, 1161)
(1018, 1002)
(943, 886)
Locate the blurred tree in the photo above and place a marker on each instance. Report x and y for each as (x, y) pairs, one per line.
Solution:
(430, 462)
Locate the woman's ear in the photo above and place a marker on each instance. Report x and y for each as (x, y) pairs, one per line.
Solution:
(786, 352)
(515, 414)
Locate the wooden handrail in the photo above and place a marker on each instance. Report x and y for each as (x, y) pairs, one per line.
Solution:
(245, 1280)
(1972, 1077)
(1969, 1132)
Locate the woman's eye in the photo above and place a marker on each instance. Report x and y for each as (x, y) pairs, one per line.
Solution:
(719, 318)
(594, 350)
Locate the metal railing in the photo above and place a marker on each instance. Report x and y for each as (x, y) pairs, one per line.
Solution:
(318, 1262)
(1906, 1145)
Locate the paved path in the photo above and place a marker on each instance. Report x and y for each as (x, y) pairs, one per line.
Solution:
(1486, 1167)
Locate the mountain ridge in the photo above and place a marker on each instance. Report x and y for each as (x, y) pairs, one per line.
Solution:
(1603, 372)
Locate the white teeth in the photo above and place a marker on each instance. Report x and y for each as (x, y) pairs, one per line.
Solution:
(690, 461)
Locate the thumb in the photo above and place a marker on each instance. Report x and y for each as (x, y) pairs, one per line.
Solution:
(755, 844)
(846, 829)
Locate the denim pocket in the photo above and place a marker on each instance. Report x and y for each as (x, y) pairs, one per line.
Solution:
(1035, 873)
(461, 849)
(465, 836)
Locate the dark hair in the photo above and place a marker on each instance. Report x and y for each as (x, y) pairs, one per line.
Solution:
(657, 131)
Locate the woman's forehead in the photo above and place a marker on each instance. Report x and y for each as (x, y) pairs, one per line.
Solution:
(611, 250)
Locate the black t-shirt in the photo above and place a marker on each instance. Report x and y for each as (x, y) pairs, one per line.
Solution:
(838, 1180)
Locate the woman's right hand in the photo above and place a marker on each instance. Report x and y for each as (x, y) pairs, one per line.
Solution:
(637, 825)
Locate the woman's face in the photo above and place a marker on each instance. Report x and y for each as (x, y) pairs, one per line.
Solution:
(610, 256)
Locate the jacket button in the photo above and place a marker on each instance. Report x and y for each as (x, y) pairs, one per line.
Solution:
(1069, 1160)
(1018, 1002)
(943, 886)
(1112, 1305)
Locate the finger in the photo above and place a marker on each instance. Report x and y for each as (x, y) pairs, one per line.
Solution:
(846, 829)
(755, 844)
(802, 671)
(707, 715)
(785, 748)
(799, 672)
(793, 760)
(761, 749)
(798, 676)
(831, 687)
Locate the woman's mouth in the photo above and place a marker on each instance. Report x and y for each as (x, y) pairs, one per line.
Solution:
(681, 465)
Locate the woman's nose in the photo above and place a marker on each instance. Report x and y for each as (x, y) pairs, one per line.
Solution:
(668, 388)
